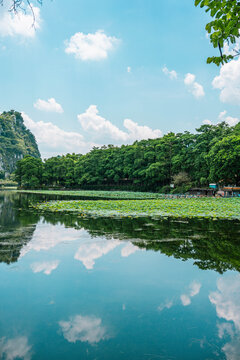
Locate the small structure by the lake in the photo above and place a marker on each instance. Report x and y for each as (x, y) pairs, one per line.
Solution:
(231, 191)
(202, 192)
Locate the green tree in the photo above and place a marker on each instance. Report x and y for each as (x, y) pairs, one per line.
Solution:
(224, 160)
(225, 26)
(29, 172)
(211, 154)
(181, 178)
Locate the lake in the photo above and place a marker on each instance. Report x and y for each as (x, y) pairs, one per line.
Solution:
(105, 288)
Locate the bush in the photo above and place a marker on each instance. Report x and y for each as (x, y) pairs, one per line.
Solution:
(181, 179)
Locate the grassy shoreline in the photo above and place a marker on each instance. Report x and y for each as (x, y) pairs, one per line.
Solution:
(213, 208)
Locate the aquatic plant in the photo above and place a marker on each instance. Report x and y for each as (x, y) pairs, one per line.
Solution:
(215, 208)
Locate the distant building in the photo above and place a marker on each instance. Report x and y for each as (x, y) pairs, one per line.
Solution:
(202, 192)
(230, 191)
(213, 186)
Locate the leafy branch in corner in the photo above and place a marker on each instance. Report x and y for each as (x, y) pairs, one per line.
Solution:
(224, 28)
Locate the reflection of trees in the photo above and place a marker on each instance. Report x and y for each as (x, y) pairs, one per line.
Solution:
(209, 253)
(211, 244)
(16, 225)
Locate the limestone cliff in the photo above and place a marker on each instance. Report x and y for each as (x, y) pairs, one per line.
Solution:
(16, 141)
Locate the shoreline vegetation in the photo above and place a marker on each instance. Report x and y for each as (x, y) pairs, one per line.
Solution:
(173, 164)
(100, 194)
(202, 208)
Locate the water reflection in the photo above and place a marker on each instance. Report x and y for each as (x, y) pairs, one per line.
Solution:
(16, 348)
(193, 290)
(16, 229)
(211, 244)
(226, 301)
(46, 267)
(118, 288)
(47, 236)
(88, 252)
(84, 328)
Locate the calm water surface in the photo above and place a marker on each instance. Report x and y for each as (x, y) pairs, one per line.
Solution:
(74, 288)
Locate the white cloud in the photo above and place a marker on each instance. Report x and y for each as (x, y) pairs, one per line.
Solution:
(139, 132)
(231, 121)
(189, 79)
(194, 87)
(50, 137)
(90, 120)
(129, 249)
(89, 252)
(84, 328)
(165, 305)
(171, 73)
(16, 348)
(228, 82)
(222, 115)
(47, 267)
(194, 289)
(207, 122)
(53, 140)
(20, 24)
(90, 46)
(129, 69)
(50, 105)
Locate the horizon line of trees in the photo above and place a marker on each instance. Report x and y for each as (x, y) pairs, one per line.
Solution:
(212, 154)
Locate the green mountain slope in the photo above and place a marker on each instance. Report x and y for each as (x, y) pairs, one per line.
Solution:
(16, 141)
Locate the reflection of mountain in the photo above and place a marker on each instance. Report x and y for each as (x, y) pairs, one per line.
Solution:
(16, 227)
(212, 244)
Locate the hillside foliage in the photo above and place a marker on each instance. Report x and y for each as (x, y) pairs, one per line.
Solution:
(16, 141)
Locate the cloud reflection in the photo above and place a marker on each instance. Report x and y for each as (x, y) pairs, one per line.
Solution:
(48, 236)
(194, 289)
(47, 267)
(84, 328)
(129, 249)
(16, 348)
(226, 300)
(165, 305)
(89, 252)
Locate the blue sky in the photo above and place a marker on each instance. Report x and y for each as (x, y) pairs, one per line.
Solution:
(115, 71)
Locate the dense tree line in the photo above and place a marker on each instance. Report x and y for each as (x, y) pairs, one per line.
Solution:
(212, 154)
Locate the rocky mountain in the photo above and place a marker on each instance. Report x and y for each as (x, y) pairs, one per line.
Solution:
(16, 141)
